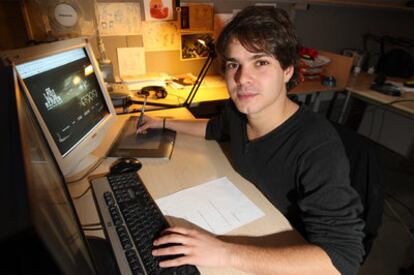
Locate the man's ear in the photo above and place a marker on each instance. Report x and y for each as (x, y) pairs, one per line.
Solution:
(288, 73)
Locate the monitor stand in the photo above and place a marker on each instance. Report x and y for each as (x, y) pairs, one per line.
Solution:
(82, 167)
(103, 257)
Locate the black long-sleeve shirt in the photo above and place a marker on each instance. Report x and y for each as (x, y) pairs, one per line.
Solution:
(302, 168)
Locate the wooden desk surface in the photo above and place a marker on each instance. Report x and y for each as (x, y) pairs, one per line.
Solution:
(213, 88)
(360, 87)
(195, 161)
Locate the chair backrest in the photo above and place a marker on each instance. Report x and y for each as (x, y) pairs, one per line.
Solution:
(366, 178)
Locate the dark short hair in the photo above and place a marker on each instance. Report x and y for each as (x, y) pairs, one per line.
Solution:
(263, 29)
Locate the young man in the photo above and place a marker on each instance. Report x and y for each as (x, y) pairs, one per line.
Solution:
(290, 153)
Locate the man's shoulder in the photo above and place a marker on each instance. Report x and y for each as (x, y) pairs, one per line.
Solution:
(312, 121)
(313, 126)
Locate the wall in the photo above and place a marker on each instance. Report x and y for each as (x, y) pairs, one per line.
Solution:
(325, 27)
(330, 28)
(334, 28)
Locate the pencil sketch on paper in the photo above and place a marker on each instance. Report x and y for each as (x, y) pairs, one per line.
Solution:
(161, 36)
(119, 19)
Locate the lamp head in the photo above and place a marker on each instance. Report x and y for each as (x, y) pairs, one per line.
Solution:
(202, 42)
(208, 43)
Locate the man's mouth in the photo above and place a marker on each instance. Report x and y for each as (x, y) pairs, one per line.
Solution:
(245, 96)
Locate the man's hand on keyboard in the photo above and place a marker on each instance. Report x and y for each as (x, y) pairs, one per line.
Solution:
(197, 248)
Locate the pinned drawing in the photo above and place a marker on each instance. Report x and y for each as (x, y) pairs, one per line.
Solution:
(161, 36)
(131, 62)
(119, 19)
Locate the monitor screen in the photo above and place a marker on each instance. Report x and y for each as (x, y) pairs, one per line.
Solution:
(45, 198)
(66, 91)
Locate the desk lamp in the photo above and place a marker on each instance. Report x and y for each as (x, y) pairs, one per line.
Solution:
(211, 55)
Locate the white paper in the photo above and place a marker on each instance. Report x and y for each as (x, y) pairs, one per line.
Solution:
(131, 62)
(119, 19)
(216, 206)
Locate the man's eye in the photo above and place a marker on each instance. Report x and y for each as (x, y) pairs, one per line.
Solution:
(262, 63)
(232, 66)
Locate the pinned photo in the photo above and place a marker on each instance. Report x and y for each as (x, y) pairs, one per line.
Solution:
(195, 46)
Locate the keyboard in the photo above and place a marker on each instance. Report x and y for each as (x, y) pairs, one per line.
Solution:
(132, 220)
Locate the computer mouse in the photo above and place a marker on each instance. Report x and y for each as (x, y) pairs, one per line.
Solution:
(125, 165)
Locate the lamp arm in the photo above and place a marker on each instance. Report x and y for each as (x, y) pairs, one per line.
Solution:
(211, 55)
(198, 81)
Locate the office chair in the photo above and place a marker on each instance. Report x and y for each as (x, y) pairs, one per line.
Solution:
(366, 178)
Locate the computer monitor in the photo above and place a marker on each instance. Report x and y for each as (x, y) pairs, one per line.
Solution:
(40, 232)
(65, 88)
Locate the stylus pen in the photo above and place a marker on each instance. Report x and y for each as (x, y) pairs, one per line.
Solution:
(141, 116)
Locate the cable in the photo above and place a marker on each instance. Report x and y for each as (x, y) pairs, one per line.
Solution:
(179, 98)
(82, 194)
(90, 170)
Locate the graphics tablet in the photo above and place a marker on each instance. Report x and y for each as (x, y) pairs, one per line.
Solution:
(156, 143)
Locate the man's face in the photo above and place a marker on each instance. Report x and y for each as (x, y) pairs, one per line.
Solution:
(255, 81)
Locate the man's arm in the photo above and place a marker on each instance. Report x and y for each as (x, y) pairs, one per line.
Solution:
(202, 249)
(195, 127)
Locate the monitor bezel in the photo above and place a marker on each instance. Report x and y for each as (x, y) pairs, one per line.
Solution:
(79, 157)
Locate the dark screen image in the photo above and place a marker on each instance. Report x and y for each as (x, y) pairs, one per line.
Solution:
(70, 101)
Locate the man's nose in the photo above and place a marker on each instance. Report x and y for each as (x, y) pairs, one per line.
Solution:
(243, 75)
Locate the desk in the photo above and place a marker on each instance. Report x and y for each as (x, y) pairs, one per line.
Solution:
(195, 161)
(359, 87)
(339, 67)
